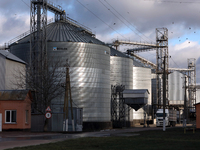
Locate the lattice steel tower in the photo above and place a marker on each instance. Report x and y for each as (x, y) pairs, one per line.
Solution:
(192, 83)
(38, 38)
(119, 110)
(38, 24)
(162, 61)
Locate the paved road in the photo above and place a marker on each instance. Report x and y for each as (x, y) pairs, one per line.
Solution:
(13, 139)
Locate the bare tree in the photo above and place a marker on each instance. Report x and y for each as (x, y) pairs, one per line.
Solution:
(45, 80)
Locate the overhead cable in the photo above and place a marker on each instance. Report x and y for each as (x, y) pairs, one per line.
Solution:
(101, 19)
(180, 2)
(175, 63)
(126, 21)
(25, 3)
(118, 17)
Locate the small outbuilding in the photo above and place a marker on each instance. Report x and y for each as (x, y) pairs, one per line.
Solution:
(12, 71)
(15, 107)
(197, 115)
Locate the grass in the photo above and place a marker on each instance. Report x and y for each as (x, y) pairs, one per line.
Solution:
(171, 139)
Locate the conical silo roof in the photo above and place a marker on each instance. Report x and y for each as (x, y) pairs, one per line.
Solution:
(64, 31)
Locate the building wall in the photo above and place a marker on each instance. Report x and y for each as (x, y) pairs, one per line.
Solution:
(2, 72)
(198, 115)
(14, 75)
(20, 106)
(198, 96)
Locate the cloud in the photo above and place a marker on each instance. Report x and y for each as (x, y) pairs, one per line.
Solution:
(101, 15)
(186, 45)
(181, 52)
(110, 19)
(13, 27)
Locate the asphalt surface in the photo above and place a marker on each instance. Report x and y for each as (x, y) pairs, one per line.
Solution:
(11, 139)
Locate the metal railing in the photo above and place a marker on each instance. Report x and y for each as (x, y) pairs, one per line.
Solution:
(53, 6)
(77, 24)
(21, 36)
(3, 47)
(18, 37)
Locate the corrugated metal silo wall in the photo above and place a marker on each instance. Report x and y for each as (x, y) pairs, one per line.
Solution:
(89, 76)
(153, 89)
(21, 51)
(141, 80)
(121, 73)
(176, 90)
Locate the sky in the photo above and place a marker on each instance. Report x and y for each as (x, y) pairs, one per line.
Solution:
(133, 20)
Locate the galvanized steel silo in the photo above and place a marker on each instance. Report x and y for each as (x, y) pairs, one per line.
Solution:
(89, 61)
(176, 88)
(141, 80)
(121, 72)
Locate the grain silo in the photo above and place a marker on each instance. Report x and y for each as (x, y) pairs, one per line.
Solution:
(121, 78)
(121, 69)
(176, 82)
(142, 80)
(89, 61)
(176, 88)
(92, 68)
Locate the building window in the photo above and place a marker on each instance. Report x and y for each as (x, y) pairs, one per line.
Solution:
(27, 116)
(11, 116)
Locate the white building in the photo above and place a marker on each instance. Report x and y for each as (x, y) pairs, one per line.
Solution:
(12, 71)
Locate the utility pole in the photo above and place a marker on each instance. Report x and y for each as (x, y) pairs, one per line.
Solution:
(66, 102)
(164, 93)
(185, 107)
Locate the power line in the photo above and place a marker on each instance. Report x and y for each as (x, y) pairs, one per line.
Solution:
(126, 20)
(117, 17)
(25, 3)
(180, 2)
(175, 62)
(100, 19)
